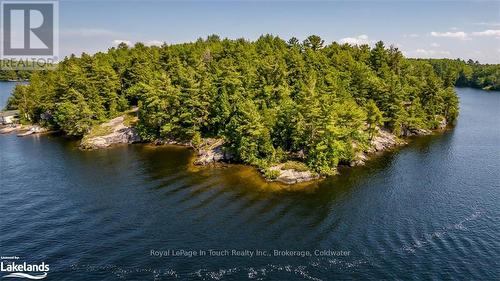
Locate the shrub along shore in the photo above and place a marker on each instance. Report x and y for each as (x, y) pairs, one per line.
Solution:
(270, 103)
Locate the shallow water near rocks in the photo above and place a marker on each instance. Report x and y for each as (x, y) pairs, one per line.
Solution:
(429, 210)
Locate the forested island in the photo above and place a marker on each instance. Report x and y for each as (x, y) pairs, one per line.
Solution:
(309, 105)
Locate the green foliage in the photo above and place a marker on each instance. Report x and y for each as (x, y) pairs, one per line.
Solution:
(374, 117)
(270, 100)
(314, 42)
(467, 74)
(295, 165)
(98, 131)
(271, 174)
(74, 116)
(13, 75)
(130, 118)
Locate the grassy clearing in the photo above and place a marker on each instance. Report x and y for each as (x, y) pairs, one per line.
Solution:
(98, 131)
(130, 118)
(271, 174)
(295, 165)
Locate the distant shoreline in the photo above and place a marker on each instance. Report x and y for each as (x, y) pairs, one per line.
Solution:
(13, 80)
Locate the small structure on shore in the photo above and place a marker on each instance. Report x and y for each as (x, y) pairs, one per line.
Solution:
(9, 117)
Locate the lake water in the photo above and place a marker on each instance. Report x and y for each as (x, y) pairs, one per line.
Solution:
(6, 89)
(430, 210)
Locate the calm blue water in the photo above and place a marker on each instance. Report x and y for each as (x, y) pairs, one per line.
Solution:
(428, 211)
(6, 89)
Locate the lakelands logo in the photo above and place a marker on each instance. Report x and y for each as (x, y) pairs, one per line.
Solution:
(15, 269)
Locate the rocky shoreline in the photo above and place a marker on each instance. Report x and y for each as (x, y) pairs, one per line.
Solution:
(121, 130)
(383, 141)
(115, 131)
(289, 174)
(212, 151)
(22, 130)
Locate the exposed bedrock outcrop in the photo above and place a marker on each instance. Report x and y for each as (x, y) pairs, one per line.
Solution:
(288, 175)
(382, 141)
(112, 132)
(212, 151)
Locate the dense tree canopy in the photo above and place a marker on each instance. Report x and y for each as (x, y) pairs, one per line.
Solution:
(270, 100)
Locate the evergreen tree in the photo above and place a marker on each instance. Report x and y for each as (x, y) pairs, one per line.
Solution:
(374, 118)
